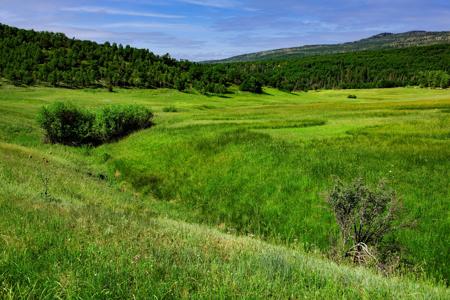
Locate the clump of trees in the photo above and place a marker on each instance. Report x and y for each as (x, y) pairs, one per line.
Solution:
(206, 88)
(365, 216)
(434, 79)
(67, 124)
(251, 84)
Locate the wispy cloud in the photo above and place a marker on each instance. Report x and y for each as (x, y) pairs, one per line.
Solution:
(148, 25)
(212, 3)
(112, 11)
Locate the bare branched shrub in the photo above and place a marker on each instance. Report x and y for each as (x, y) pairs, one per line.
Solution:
(365, 215)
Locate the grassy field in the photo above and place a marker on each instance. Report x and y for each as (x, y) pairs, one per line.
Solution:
(86, 220)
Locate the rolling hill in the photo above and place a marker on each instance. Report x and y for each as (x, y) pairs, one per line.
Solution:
(376, 42)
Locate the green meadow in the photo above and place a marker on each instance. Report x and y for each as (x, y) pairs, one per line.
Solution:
(223, 197)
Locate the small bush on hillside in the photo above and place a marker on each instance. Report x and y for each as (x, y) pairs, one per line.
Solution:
(287, 86)
(170, 109)
(181, 84)
(66, 124)
(114, 122)
(352, 97)
(69, 125)
(364, 215)
(210, 88)
(217, 88)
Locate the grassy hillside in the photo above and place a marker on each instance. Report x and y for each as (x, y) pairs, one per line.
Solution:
(247, 164)
(377, 42)
(87, 239)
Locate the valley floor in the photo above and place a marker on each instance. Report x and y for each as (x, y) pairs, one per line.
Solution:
(179, 210)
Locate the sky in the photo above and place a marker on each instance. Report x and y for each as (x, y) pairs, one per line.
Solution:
(212, 29)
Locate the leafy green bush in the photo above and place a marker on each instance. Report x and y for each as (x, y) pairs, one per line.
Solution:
(170, 109)
(210, 88)
(114, 122)
(69, 125)
(66, 124)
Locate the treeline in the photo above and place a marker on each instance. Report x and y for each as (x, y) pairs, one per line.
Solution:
(28, 57)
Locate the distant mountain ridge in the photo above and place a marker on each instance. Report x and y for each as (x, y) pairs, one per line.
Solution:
(380, 41)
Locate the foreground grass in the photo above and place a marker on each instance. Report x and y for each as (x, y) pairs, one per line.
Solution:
(80, 237)
(260, 164)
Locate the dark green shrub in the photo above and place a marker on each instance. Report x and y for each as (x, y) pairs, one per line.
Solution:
(365, 215)
(286, 86)
(116, 121)
(218, 88)
(170, 109)
(181, 84)
(251, 85)
(210, 88)
(352, 97)
(66, 124)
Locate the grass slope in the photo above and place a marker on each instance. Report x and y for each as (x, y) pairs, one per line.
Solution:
(246, 163)
(86, 239)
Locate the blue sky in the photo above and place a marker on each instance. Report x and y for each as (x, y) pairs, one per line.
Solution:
(211, 29)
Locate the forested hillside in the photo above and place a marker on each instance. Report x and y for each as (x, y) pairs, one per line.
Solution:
(28, 57)
(376, 42)
(427, 66)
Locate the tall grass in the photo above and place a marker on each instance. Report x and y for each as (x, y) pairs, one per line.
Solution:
(100, 242)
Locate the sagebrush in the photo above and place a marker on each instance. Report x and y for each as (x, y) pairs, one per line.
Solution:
(365, 215)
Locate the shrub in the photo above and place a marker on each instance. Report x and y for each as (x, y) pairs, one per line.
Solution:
(218, 88)
(286, 86)
(210, 88)
(181, 84)
(352, 97)
(170, 109)
(66, 124)
(114, 122)
(364, 215)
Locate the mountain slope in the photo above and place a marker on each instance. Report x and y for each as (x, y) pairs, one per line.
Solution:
(377, 42)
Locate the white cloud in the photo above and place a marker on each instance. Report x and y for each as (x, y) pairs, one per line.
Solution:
(112, 11)
(212, 3)
(150, 25)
